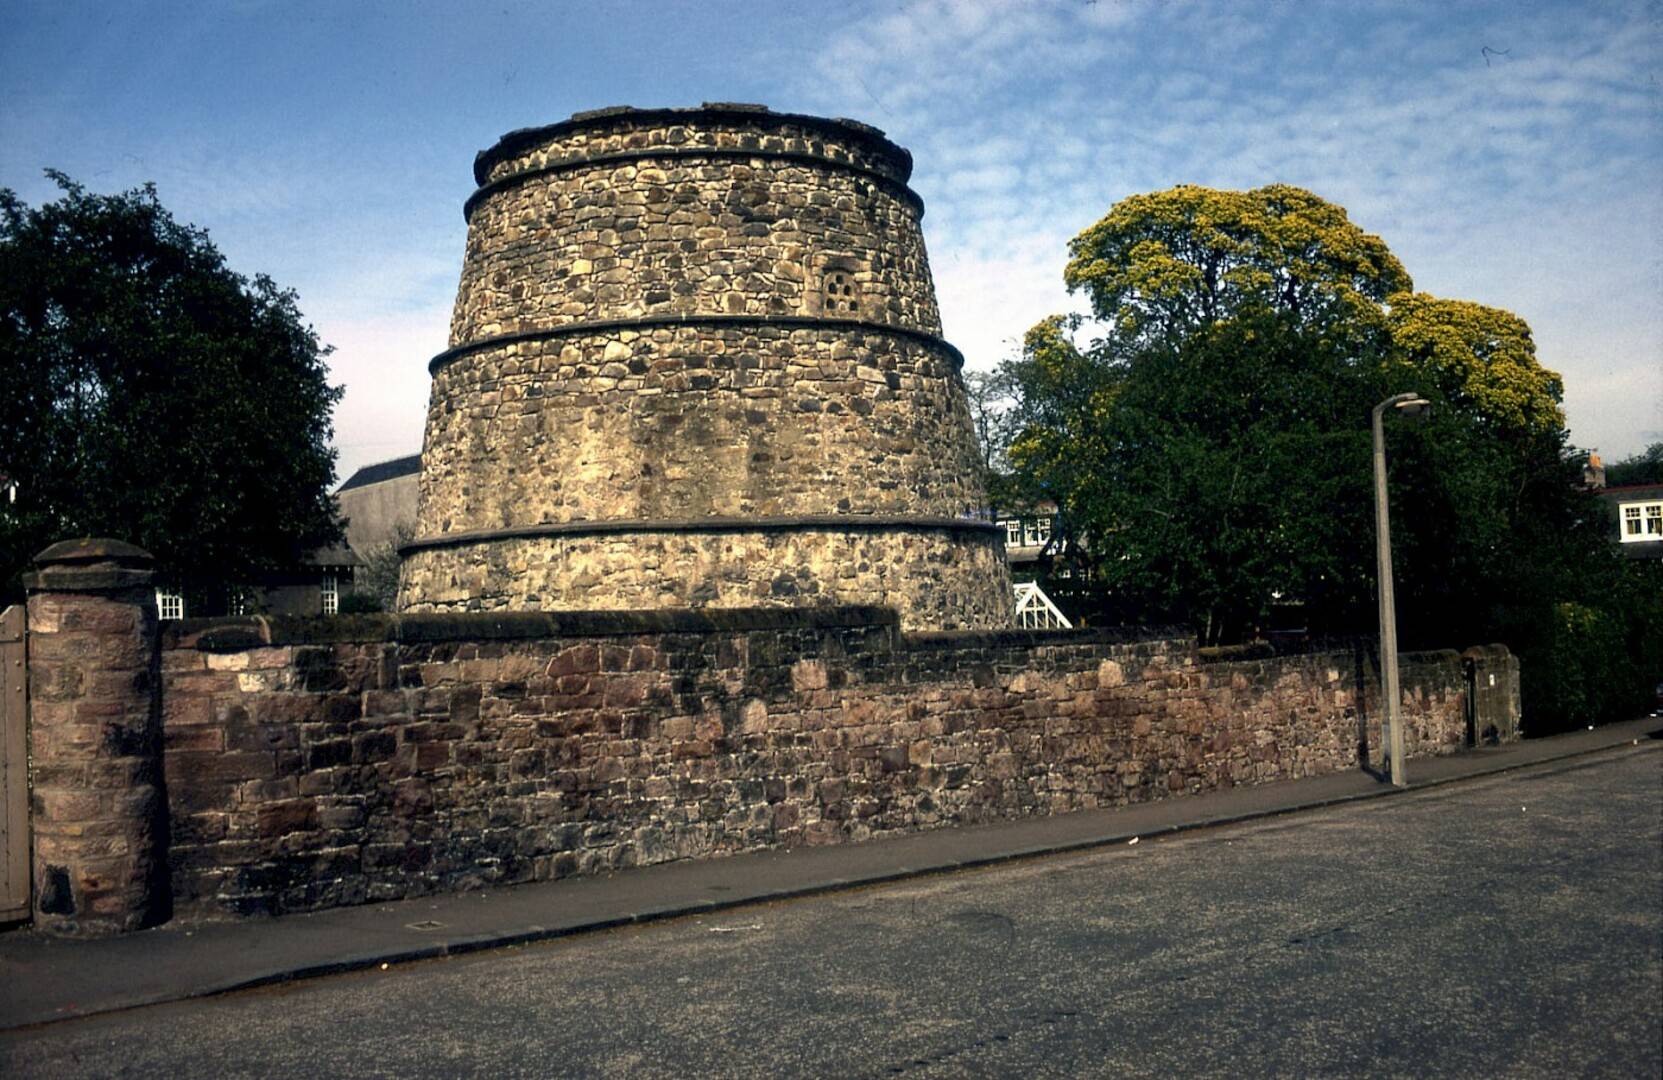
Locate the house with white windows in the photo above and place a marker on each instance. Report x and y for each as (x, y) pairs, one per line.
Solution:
(374, 503)
(1028, 535)
(314, 586)
(1030, 542)
(1637, 512)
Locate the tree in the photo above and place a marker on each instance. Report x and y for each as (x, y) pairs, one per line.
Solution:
(1163, 264)
(992, 399)
(1645, 467)
(1212, 445)
(1202, 477)
(382, 564)
(149, 393)
(1482, 360)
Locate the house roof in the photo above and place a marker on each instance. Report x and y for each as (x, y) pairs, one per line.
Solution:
(1042, 508)
(331, 556)
(1631, 492)
(383, 470)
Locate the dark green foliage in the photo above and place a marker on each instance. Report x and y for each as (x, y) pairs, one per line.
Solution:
(1646, 467)
(1224, 474)
(150, 394)
(361, 603)
(1495, 540)
(379, 575)
(1213, 452)
(1593, 660)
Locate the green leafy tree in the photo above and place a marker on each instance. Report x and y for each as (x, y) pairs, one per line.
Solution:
(1194, 445)
(1212, 445)
(378, 579)
(1202, 476)
(992, 400)
(149, 393)
(1481, 360)
(1487, 485)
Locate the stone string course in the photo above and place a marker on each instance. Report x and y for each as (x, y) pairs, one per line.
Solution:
(461, 751)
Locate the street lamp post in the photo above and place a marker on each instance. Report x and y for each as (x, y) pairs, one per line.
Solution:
(1410, 404)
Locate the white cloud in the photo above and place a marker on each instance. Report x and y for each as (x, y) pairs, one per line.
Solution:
(1514, 176)
(1524, 177)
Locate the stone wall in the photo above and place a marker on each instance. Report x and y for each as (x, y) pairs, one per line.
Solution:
(937, 575)
(311, 763)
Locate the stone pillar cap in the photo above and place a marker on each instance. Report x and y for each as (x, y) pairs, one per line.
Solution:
(90, 564)
(94, 549)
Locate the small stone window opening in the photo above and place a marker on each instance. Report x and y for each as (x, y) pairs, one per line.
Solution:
(840, 294)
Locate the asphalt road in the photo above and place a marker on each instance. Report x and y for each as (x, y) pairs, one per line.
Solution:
(1511, 926)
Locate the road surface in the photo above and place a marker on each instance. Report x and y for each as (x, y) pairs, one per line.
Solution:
(1509, 926)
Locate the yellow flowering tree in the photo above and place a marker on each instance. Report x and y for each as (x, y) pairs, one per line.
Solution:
(1170, 261)
(1209, 446)
(1482, 360)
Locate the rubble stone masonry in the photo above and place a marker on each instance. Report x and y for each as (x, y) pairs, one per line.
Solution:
(696, 361)
(325, 762)
(97, 806)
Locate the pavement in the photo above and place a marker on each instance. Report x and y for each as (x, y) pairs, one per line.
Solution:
(43, 980)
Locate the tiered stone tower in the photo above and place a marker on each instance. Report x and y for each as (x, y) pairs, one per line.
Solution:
(696, 361)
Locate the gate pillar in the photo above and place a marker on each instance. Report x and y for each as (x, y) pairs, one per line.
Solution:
(100, 815)
(14, 770)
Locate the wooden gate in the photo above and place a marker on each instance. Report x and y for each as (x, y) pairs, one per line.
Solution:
(14, 769)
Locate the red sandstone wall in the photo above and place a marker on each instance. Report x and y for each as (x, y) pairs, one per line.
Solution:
(306, 775)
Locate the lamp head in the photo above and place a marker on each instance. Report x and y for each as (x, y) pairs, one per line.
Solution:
(1414, 406)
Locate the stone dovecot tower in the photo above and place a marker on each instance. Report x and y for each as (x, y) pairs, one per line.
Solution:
(696, 361)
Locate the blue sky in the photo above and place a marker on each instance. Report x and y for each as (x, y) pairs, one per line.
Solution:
(1508, 153)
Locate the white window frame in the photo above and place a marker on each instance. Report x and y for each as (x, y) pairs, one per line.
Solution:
(1035, 611)
(1036, 532)
(169, 604)
(330, 590)
(1013, 532)
(1642, 522)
